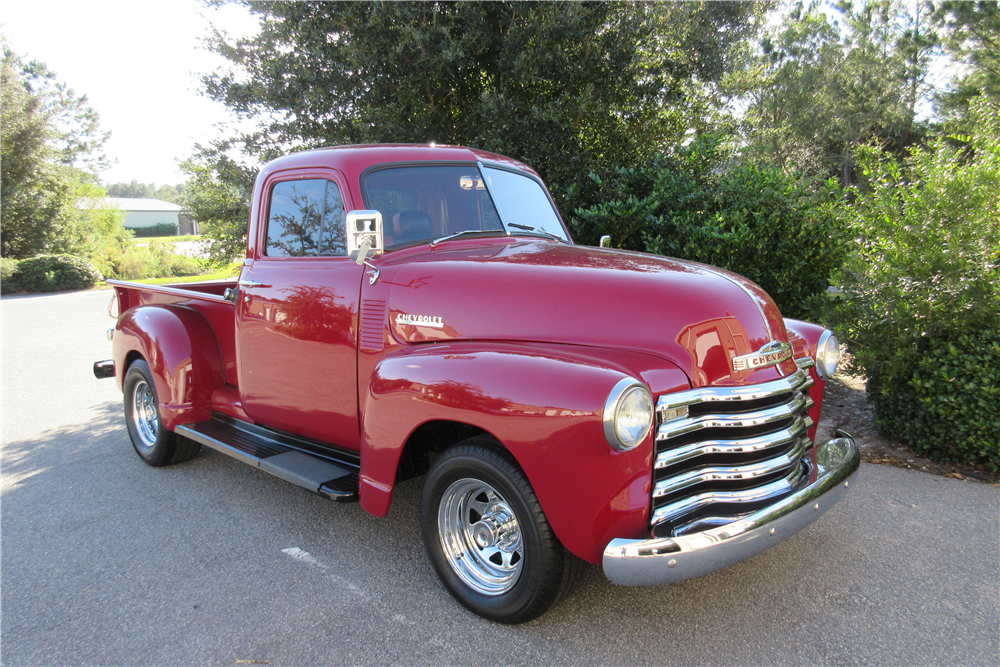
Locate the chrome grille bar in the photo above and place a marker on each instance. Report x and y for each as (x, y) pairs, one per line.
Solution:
(677, 427)
(781, 438)
(732, 473)
(686, 505)
(799, 380)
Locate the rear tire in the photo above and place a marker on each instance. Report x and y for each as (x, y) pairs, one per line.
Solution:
(488, 538)
(152, 442)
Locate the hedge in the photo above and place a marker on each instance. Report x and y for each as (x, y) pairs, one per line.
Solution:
(920, 303)
(160, 229)
(945, 403)
(51, 273)
(703, 204)
(8, 267)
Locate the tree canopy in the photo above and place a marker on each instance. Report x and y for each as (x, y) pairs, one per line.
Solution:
(136, 190)
(828, 85)
(48, 136)
(972, 36)
(568, 87)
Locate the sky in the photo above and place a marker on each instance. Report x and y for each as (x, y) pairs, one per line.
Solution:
(138, 62)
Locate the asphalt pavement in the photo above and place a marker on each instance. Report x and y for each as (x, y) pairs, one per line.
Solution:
(105, 560)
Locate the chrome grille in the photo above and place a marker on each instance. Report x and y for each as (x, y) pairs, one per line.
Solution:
(723, 452)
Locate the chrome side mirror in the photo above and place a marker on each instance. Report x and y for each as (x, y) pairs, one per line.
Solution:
(605, 241)
(364, 235)
(365, 239)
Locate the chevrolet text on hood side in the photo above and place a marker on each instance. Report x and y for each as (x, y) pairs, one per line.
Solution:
(410, 311)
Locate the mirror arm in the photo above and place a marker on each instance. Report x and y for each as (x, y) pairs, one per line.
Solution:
(363, 249)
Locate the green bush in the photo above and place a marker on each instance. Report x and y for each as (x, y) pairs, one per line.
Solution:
(52, 273)
(8, 267)
(949, 408)
(168, 263)
(921, 293)
(157, 260)
(700, 204)
(160, 229)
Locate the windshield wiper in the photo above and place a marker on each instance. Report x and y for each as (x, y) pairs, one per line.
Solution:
(537, 231)
(467, 231)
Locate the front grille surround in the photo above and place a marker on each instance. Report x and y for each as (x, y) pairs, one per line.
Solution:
(737, 447)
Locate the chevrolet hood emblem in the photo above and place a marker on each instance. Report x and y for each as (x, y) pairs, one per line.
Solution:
(771, 354)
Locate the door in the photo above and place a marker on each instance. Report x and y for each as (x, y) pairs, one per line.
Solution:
(298, 312)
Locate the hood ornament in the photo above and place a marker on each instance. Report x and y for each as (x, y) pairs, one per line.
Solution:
(771, 354)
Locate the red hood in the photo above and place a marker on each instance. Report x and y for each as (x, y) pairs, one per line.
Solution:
(528, 290)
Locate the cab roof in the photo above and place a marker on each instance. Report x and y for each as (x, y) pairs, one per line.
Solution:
(352, 161)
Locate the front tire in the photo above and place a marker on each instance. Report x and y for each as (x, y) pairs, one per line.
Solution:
(487, 536)
(152, 442)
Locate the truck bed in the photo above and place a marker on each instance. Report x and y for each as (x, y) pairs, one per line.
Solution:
(206, 298)
(135, 294)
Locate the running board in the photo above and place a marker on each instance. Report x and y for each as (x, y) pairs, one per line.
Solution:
(277, 454)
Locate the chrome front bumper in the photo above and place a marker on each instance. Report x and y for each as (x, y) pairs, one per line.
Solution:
(670, 559)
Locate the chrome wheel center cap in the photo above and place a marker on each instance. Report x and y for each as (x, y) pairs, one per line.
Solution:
(483, 534)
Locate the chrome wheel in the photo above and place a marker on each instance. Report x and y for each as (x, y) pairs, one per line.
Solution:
(480, 536)
(145, 416)
(487, 536)
(153, 441)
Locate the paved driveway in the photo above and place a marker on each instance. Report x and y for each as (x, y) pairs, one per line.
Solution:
(108, 561)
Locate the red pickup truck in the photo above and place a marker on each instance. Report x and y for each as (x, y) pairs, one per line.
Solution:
(423, 310)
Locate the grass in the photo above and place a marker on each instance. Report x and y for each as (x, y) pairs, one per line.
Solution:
(168, 239)
(230, 271)
(215, 275)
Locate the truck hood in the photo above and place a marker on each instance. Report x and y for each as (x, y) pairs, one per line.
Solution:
(527, 290)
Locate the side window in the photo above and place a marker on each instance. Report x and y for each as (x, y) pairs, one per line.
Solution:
(306, 219)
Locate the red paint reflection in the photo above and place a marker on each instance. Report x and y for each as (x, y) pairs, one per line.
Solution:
(711, 345)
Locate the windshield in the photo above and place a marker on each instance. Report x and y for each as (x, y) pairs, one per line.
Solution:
(426, 202)
(523, 201)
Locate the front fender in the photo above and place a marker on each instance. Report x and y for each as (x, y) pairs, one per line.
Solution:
(183, 355)
(545, 405)
(804, 337)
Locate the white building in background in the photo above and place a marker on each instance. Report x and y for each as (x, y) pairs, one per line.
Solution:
(149, 212)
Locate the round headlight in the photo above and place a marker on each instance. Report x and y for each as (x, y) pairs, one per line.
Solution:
(628, 414)
(827, 355)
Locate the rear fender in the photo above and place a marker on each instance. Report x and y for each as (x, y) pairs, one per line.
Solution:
(544, 405)
(183, 355)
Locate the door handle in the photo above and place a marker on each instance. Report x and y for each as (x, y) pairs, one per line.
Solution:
(252, 283)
